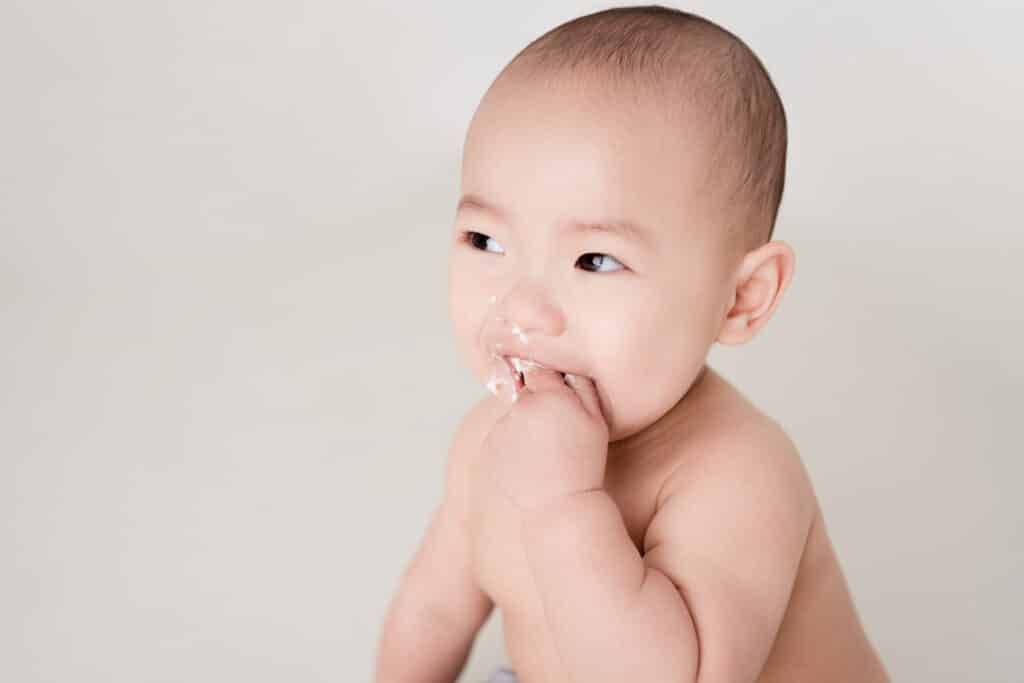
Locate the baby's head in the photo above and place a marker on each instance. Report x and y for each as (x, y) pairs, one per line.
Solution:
(620, 183)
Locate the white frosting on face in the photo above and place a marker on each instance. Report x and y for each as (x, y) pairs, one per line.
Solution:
(520, 333)
(494, 382)
(497, 380)
(522, 366)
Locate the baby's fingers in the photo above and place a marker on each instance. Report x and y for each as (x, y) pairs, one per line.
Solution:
(587, 391)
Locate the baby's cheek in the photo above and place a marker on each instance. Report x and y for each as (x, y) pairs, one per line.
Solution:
(636, 384)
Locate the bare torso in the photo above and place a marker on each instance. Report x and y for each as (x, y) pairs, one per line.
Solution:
(820, 639)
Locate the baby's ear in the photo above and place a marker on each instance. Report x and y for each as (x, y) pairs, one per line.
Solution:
(760, 282)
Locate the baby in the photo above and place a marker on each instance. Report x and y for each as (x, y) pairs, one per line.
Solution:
(633, 515)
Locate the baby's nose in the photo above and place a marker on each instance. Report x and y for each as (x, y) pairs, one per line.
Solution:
(528, 311)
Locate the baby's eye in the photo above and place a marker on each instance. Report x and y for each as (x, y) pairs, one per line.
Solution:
(478, 238)
(602, 259)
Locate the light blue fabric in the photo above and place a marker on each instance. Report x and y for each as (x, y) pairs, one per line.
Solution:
(503, 675)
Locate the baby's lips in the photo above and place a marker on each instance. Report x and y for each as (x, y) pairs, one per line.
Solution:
(503, 378)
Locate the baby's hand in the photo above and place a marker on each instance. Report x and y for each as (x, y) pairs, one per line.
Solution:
(551, 443)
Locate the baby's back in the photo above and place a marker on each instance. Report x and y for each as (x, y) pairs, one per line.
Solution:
(820, 637)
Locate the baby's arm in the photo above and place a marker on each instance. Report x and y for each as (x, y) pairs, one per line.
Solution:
(729, 532)
(434, 618)
(704, 600)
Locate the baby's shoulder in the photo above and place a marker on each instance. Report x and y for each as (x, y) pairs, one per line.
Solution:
(743, 444)
(730, 468)
(728, 434)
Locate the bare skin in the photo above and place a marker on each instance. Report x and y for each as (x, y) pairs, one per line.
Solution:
(820, 637)
(757, 573)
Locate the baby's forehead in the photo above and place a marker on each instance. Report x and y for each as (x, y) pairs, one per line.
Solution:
(521, 128)
(559, 180)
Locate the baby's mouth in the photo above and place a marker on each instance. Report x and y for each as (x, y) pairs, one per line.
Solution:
(514, 371)
(514, 368)
(519, 366)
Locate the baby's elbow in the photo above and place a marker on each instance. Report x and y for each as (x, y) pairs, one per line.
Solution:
(674, 630)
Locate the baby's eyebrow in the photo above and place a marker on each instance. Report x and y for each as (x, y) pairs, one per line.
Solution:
(625, 228)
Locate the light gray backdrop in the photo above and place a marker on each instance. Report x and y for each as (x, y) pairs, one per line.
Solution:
(227, 374)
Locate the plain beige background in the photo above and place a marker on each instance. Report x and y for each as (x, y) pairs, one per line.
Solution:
(228, 378)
